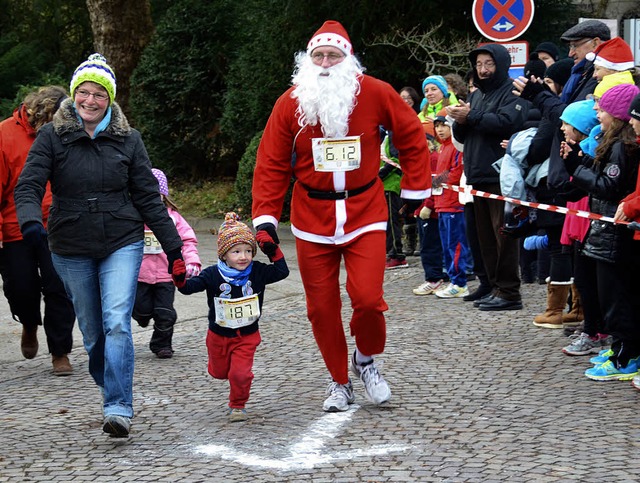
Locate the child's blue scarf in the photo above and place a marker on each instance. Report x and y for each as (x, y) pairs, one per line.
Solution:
(235, 277)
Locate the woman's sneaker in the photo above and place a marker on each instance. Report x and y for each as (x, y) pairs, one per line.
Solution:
(635, 382)
(117, 426)
(340, 396)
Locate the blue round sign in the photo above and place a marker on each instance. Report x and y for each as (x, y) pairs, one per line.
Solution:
(502, 20)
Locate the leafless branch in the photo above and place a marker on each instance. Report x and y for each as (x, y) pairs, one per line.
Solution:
(438, 53)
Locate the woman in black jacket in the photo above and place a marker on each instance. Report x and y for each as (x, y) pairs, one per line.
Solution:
(103, 194)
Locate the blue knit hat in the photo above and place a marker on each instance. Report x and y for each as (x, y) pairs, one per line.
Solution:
(580, 115)
(439, 81)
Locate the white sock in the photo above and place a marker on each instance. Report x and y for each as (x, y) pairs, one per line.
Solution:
(361, 359)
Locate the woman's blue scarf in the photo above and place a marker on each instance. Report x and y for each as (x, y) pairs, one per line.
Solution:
(235, 277)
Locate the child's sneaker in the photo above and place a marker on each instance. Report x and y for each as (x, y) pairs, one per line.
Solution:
(427, 288)
(583, 345)
(608, 371)
(340, 396)
(452, 291)
(602, 357)
(236, 414)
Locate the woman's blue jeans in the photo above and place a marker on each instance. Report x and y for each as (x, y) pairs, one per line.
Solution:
(103, 292)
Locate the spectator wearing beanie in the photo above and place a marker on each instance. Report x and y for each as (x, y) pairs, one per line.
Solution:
(535, 67)
(608, 179)
(557, 75)
(547, 53)
(436, 97)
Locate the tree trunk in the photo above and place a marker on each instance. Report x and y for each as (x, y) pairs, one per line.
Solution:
(121, 31)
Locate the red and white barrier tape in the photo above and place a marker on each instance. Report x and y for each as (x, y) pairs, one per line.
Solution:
(532, 204)
(389, 161)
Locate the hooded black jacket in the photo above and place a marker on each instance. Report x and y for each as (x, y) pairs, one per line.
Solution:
(495, 115)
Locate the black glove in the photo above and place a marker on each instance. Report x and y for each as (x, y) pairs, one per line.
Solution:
(531, 90)
(409, 206)
(172, 256)
(271, 230)
(572, 161)
(34, 233)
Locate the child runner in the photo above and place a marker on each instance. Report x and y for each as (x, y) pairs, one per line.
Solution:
(450, 212)
(235, 292)
(155, 293)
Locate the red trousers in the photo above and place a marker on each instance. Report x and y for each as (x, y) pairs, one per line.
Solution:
(364, 260)
(232, 358)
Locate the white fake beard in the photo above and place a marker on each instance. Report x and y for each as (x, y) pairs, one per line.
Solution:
(328, 95)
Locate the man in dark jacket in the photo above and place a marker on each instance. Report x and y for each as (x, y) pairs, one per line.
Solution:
(492, 114)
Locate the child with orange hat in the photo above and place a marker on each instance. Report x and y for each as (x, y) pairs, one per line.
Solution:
(235, 292)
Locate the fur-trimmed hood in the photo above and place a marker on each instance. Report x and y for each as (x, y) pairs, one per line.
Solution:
(66, 120)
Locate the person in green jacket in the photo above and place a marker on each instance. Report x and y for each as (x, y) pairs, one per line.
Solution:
(390, 174)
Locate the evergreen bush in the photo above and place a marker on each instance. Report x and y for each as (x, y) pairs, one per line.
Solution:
(244, 183)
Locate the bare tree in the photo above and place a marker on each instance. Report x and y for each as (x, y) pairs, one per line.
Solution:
(439, 53)
(121, 30)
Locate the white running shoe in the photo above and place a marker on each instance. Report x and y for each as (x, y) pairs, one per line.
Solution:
(340, 396)
(427, 288)
(375, 387)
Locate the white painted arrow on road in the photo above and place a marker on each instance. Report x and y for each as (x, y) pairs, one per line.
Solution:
(307, 452)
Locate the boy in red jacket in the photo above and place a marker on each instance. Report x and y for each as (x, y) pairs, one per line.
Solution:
(450, 212)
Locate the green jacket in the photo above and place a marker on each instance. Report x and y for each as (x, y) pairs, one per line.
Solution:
(390, 174)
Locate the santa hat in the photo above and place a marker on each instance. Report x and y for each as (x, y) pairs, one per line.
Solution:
(614, 54)
(95, 69)
(162, 181)
(617, 101)
(233, 232)
(331, 34)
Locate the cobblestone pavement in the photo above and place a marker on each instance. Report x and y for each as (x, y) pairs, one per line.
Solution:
(477, 396)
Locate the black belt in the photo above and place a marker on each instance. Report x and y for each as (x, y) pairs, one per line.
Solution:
(105, 202)
(338, 195)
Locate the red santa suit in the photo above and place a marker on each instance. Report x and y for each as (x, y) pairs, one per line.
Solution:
(353, 227)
